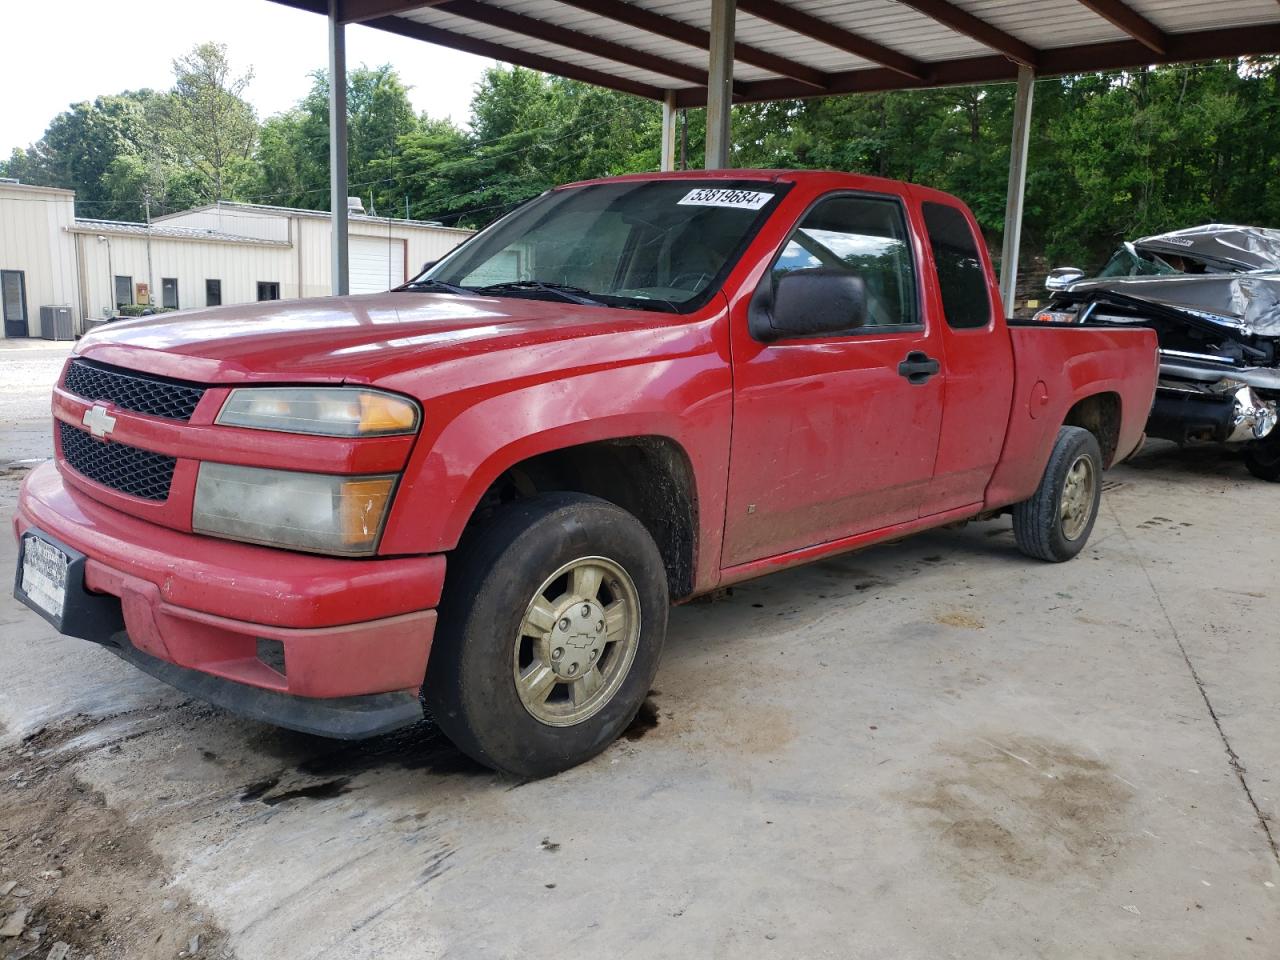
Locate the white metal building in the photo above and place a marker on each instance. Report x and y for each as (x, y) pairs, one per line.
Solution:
(220, 254)
(37, 255)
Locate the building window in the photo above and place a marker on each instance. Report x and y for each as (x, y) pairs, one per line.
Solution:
(213, 293)
(169, 292)
(13, 296)
(268, 291)
(124, 292)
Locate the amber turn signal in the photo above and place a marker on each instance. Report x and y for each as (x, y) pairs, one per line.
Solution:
(382, 413)
(364, 505)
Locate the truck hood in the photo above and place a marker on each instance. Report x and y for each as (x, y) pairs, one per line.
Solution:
(358, 339)
(1225, 245)
(1246, 303)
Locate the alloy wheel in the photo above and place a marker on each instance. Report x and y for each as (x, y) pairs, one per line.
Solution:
(1077, 497)
(577, 640)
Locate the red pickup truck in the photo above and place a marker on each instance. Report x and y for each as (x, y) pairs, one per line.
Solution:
(483, 490)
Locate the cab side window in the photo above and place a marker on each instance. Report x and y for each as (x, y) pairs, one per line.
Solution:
(865, 236)
(966, 302)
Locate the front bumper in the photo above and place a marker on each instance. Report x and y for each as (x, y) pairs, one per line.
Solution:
(343, 718)
(331, 646)
(1185, 412)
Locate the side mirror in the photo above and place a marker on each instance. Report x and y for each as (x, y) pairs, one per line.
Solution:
(1062, 277)
(428, 265)
(807, 303)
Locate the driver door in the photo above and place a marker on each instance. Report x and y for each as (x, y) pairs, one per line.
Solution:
(832, 435)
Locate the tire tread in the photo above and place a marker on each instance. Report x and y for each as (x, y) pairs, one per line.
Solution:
(1035, 520)
(488, 553)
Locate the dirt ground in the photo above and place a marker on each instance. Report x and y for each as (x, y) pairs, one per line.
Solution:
(74, 872)
(930, 749)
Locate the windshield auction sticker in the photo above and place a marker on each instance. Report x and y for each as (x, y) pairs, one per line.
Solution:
(718, 197)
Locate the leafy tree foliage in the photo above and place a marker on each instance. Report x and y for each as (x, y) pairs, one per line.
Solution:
(204, 124)
(80, 147)
(294, 158)
(1113, 156)
(192, 144)
(528, 133)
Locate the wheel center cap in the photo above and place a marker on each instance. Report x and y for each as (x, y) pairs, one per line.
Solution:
(577, 639)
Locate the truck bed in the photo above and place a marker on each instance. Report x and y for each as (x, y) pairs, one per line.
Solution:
(1055, 368)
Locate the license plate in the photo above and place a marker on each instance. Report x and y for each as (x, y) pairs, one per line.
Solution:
(43, 578)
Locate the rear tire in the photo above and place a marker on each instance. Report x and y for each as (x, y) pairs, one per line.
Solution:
(550, 630)
(1262, 457)
(1055, 523)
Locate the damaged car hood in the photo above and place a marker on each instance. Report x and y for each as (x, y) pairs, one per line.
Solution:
(1227, 246)
(1248, 303)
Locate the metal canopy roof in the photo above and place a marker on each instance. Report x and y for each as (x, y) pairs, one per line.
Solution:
(806, 48)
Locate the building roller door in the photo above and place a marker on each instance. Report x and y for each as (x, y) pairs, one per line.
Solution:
(377, 264)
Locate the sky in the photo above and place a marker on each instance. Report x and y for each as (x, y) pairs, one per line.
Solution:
(54, 54)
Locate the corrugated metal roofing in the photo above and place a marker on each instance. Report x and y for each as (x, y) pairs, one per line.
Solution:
(118, 228)
(894, 25)
(1045, 23)
(649, 47)
(1180, 16)
(275, 210)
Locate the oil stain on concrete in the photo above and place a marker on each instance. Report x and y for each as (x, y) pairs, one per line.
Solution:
(1020, 807)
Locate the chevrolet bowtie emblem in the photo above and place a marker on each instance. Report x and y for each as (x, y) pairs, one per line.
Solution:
(99, 422)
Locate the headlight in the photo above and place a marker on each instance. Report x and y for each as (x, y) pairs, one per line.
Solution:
(280, 508)
(1056, 316)
(328, 411)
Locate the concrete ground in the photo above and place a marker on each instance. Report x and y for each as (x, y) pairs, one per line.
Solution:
(933, 749)
(28, 368)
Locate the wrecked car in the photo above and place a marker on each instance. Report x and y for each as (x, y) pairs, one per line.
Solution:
(1212, 294)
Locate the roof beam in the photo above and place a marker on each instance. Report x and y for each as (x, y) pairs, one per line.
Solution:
(686, 33)
(358, 11)
(1131, 22)
(571, 39)
(1055, 62)
(1253, 40)
(522, 58)
(796, 20)
(961, 21)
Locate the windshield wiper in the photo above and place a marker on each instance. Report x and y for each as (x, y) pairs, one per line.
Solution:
(562, 290)
(430, 284)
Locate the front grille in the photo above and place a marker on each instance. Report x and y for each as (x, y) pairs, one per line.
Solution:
(139, 473)
(139, 392)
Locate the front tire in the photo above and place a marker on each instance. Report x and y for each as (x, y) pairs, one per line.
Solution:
(1262, 457)
(550, 630)
(1055, 523)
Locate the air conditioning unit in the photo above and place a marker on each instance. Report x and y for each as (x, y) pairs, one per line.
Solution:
(56, 323)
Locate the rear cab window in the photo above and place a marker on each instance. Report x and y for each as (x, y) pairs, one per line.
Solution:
(962, 279)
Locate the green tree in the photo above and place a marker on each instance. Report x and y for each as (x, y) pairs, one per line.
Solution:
(1113, 156)
(80, 146)
(294, 152)
(529, 132)
(205, 124)
(138, 182)
(422, 168)
(293, 160)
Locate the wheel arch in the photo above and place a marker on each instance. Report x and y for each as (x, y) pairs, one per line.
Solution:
(1099, 413)
(651, 476)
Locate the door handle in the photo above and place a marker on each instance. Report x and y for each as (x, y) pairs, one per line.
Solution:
(918, 367)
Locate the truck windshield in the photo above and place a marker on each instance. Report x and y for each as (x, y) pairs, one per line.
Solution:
(1128, 262)
(646, 244)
